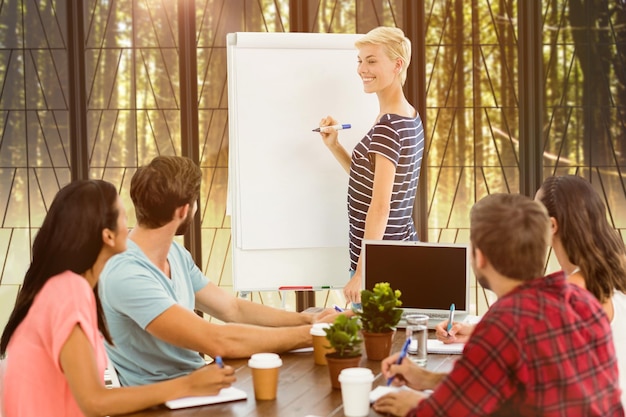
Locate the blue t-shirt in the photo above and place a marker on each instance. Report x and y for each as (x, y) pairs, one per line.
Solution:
(401, 140)
(134, 292)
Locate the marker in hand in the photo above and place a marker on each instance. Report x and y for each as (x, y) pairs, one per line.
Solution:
(336, 127)
(338, 309)
(450, 319)
(405, 348)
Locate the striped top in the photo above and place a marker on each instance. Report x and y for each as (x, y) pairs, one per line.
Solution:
(401, 140)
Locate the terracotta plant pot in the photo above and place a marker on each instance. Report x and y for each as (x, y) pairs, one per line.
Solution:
(378, 345)
(337, 364)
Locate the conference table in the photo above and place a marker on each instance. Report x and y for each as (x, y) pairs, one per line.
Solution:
(304, 389)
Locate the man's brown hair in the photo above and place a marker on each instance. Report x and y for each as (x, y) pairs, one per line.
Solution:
(513, 232)
(163, 185)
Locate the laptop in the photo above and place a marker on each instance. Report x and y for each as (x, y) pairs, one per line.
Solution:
(431, 276)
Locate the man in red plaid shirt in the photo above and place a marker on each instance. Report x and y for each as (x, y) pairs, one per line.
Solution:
(543, 349)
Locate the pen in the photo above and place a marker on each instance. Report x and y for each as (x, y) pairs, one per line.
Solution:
(450, 319)
(336, 127)
(405, 347)
(219, 361)
(338, 309)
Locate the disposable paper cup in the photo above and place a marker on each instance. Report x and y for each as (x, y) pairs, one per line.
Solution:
(320, 343)
(265, 367)
(356, 384)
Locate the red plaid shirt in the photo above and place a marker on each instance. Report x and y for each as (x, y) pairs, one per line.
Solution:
(544, 349)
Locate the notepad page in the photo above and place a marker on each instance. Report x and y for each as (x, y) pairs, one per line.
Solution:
(111, 379)
(437, 346)
(225, 395)
(381, 390)
(472, 319)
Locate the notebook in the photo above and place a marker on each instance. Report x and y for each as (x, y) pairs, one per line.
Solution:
(437, 346)
(225, 395)
(381, 390)
(431, 276)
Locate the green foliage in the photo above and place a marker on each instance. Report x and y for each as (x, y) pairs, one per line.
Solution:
(380, 312)
(343, 336)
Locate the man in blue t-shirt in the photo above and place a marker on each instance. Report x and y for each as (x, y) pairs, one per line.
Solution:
(149, 292)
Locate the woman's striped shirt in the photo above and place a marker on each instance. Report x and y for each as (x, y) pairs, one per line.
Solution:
(401, 140)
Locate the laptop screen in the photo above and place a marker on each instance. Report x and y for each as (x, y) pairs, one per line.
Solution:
(430, 276)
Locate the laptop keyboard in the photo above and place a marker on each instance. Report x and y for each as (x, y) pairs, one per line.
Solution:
(440, 316)
(431, 316)
(433, 319)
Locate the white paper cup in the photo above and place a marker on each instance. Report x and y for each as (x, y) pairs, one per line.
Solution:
(356, 384)
(265, 367)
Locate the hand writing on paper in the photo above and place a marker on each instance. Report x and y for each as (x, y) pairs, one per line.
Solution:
(328, 315)
(459, 333)
(398, 403)
(209, 380)
(404, 373)
(409, 374)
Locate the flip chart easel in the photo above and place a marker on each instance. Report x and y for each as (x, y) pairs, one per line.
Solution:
(287, 193)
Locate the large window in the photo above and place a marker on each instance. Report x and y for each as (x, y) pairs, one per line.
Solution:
(133, 109)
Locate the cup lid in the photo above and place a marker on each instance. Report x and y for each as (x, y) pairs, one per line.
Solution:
(356, 375)
(318, 329)
(265, 361)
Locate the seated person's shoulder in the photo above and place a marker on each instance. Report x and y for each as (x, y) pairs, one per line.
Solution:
(120, 265)
(126, 269)
(512, 314)
(131, 257)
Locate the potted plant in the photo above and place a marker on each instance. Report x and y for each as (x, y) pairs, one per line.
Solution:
(379, 314)
(343, 336)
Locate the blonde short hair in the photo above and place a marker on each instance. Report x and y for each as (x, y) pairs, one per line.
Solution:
(395, 43)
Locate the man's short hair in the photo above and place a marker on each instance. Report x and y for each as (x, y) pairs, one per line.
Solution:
(513, 232)
(166, 183)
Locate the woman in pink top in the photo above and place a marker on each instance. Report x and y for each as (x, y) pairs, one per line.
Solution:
(52, 344)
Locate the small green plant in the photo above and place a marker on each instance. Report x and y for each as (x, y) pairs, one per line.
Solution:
(379, 308)
(343, 336)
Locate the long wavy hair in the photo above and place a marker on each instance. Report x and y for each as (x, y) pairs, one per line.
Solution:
(587, 237)
(70, 238)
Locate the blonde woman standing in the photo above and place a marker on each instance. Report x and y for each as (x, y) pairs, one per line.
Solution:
(384, 166)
